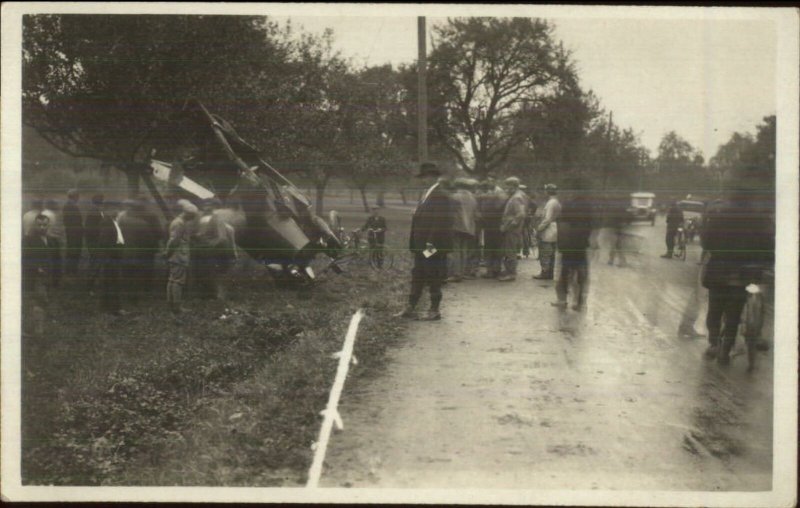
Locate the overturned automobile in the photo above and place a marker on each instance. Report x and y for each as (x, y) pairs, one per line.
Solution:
(200, 157)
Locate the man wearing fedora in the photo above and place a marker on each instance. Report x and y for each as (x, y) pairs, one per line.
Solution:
(430, 240)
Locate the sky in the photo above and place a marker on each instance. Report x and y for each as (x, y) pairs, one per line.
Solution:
(704, 79)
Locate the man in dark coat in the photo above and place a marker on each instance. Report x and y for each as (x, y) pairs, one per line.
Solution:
(73, 229)
(111, 249)
(91, 235)
(430, 241)
(574, 229)
(41, 271)
(674, 221)
(740, 243)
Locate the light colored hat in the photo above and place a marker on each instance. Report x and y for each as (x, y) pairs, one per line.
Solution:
(512, 180)
(187, 206)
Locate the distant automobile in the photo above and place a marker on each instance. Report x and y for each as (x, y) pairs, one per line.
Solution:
(642, 207)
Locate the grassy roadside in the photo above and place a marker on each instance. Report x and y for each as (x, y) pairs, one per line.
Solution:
(231, 395)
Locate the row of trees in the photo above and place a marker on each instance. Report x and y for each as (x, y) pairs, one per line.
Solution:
(504, 98)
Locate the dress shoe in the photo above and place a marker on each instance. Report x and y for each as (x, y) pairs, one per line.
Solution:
(543, 276)
(579, 307)
(407, 313)
(711, 352)
(560, 305)
(666, 256)
(432, 315)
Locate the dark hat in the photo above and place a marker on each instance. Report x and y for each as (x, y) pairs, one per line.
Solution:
(428, 169)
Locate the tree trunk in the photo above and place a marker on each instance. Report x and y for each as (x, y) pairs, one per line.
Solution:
(380, 200)
(364, 198)
(403, 196)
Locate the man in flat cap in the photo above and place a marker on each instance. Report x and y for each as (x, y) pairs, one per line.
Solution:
(511, 225)
(430, 240)
(465, 209)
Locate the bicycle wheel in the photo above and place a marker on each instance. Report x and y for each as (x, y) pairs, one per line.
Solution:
(681, 252)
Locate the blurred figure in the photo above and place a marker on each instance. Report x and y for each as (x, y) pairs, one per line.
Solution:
(178, 254)
(91, 234)
(548, 233)
(511, 224)
(41, 271)
(528, 224)
(574, 229)
(465, 209)
(73, 229)
(29, 217)
(56, 224)
(490, 205)
(111, 250)
(213, 251)
(430, 241)
(143, 237)
(376, 232)
(740, 241)
(674, 221)
(618, 221)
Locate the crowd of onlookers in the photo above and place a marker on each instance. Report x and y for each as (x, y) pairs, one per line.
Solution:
(122, 241)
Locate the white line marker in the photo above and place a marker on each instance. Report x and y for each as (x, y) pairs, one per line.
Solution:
(331, 412)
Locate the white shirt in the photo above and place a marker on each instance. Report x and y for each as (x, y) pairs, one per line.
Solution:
(120, 238)
(427, 194)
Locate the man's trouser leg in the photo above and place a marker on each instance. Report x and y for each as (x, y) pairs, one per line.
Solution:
(436, 273)
(465, 253)
(511, 244)
(582, 273)
(735, 298)
(547, 253)
(670, 239)
(562, 284)
(716, 301)
(455, 267)
(73, 254)
(417, 281)
(473, 255)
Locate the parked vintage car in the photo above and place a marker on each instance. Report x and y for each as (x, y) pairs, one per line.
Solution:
(642, 207)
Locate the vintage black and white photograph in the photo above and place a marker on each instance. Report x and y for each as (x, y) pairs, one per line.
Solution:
(388, 249)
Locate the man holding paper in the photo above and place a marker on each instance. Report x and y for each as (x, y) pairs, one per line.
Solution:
(430, 240)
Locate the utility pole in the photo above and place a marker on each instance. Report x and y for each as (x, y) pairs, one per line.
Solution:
(608, 150)
(422, 91)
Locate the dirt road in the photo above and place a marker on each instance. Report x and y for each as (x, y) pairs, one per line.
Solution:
(509, 392)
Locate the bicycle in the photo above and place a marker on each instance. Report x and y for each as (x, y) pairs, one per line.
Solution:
(378, 258)
(680, 244)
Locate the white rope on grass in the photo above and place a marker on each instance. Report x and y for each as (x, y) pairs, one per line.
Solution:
(331, 412)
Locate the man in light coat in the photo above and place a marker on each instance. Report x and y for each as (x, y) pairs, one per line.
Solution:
(465, 209)
(548, 233)
(511, 224)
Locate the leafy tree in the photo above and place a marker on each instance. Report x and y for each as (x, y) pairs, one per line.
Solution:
(94, 85)
(487, 71)
(676, 155)
(730, 156)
